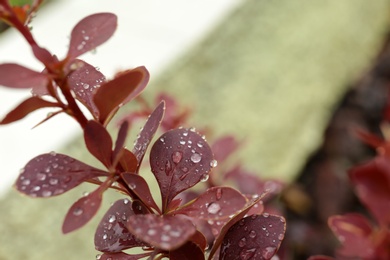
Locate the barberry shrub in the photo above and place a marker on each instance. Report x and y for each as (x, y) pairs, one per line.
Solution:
(219, 223)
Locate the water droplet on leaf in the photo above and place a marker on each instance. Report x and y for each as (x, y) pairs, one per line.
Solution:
(213, 208)
(77, 211)
(268, 252)
(196, 158)
(112, 219)
(214, 163)
(177, 156)
(204, 178)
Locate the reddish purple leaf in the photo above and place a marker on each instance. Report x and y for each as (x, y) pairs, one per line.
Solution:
(84, 81)
(320, 257)
(180, 159)
(223, 147)
(26, 107)
(115, 93)
(16, 76)
(253, 237)
(200, 240)
(98, 142)
(120, 142)
(148, 131)
(121, 256)
(234, 219)
(353, 230)
(112, 234)
(52, 174)
(372, 184)
(139, 186)
(83, 210)
(215, 203)
(188, 251)
(91, 32)
(164, 232)
(43, 55)
(128, 161)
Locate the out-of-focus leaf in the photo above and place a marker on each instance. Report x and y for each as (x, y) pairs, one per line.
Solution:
(147, 132)
(223, 147)
(84, 81)
(91, 32)
(83, 210)
(234, 219)
(52, 174)
(43, 55)
(122, 256)
(115, 93)
(139, 186)
(175, 115)
(254, 237)
(164, 232)
(215, 203)
(128, 161)
(180, 159)
(188, 251)
(27, 106)
(112, 234)
(353, 231)
(372, 184)
(98, 141)
(16, 76)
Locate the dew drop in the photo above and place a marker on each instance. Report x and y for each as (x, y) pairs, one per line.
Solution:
(265, 214)
(152, 232)
(247, 254)
(26, 182)
(268, 252)
(126, 201)
(214, 163)
(55, 165)
(105, 236)
(242, 242)
(46, 193)
(252, 234)
(52, 153)
(22, 171)
(184, 169)
(185, 134)
(162, 140)
(204, 177)
(98, 256)
(281, 236)
(196, 158)
(86, 86)
(177, 156)
(36, 188)
(165, 238)
(168, 167)
(192, 129)
(112, 219)
(53, 181)
(182, 142)
(199, 144)
(213, 208)
(218, 194)
(77, 211)
(132, 186)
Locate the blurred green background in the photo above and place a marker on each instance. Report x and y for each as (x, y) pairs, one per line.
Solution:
(271, 74)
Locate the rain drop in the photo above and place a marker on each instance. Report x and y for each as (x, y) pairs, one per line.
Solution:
(86, 86)
(182, 142)
(55, 165)
(204, 177)
(98, 256)
(41, 176)
(36, 188)
(218, 195)
(52, 153)
(26, 182)
(195, 158)
(152, 232)
(53, 181)
(242, 242)
(281, 236)
(252, 234)
(214, 163)
(105, 236)
(268, 252)
(213, 208)
(46, 193)
(247, 254)
(111, 219)
(265, 214)
(177, 156)
(132, 186)
(185, 134)
(77, 211)
(192, 129)
(126, 201)
(199, 144)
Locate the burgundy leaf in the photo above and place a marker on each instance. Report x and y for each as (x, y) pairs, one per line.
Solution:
(164, 232)
(128, 161)
(253, 237)
(179, 160)
(139, 186)
(223, 147)
(27, 106)
(147, 132)
(84, 81)
(115, 93)
(91, 32)
(215, 203)
(52, 174)
(121, 256)
(353, 230)
(188, 251)
(83, 210)
(234, 219)
(43, 55)
(120, 142)
(112, 234)
(200, 240)
(320, 257)
(372, 184)
(98, 142)
(16, 76)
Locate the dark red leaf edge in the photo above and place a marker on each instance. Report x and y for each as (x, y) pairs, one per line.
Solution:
(16, 76)
(115, 93)
(111, 234)
(148, 131)
(84, 209)
(140, 187)
(179, 159)
(26, 107)
(98, 142)
(91, 32)
(254, 237)
(52, 174)
(216, 203)
(163, 232)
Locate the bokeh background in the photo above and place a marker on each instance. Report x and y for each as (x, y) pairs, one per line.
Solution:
(269, 72)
